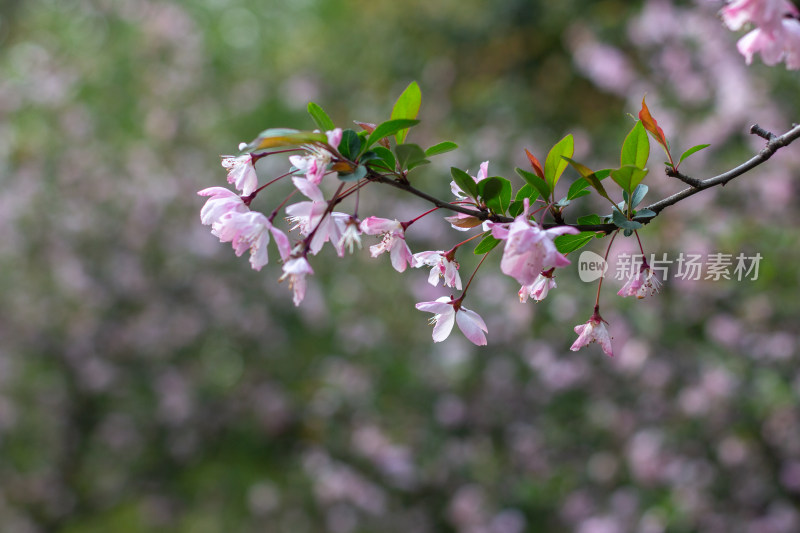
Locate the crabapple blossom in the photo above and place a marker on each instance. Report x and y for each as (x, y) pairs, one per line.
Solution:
(640, 283)
(315, 164)
(593, 331)
(313, 217)
(250, 231)
(393, 241)
(241, 172)
(296, 269)
(539, 288)
(351, 235)
(777, 32)
(446, 312)
(529, 248)
(766, 14)
(441, 266)
(221, 202)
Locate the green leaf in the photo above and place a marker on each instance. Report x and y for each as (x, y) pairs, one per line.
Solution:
(516, 207)
(440, 148)
(535, 181)
(487, 244)
(620, 221)
(496, 192)
(464, 182)
(555, 165)
(628, 177)
(390, 127)
(415, 164)
(569, 243)
(526, 191)
(350, 145)
(638, 195)
(593, 178)
(645, 213)
(590, 220)
(408, 154)
(407, 106)
(275, 137)
(577, 189)
(387, 159)
(359, 173)
(692, 150)
(320, 117)
(636, 148)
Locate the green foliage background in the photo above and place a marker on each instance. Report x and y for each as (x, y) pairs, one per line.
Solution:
(151, 382)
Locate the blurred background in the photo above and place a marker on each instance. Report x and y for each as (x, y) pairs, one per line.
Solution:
(150, 381)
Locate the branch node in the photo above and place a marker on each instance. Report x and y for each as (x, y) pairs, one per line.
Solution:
(755, 129)
(688, 180)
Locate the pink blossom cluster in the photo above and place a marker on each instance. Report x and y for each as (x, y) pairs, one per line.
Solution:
(529, 255)
(776, 35)
(529, 252)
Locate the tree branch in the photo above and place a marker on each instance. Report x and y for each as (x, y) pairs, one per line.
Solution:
(774, 143)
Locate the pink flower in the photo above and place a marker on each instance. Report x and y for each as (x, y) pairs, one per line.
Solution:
(593, 331)
(442, 266)
(296, 269)
(769, 45)
(483, 173)
(315, 164)
(791, 46)
(447, 311)
(334, 137)
(241, 172)
(529, 249)
(250, 231)
(313, 217)
(463, 222)
(539, 288)
(764, 13)
(351, 235)
(640, 283)
(393, 241)
(222, 201)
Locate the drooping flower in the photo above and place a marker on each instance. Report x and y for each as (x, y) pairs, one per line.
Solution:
(441, 265)
(221, 202)
(529, 248)
(313, 216)
(315, 163)
(296, 269)
(766, 14)
(539, 288)
(593, 331)
(776, 35)
(446, 312)
(250, 231)
(351, 235)
(241, 172)
(761, 41)
(641, 283)
(394, 240)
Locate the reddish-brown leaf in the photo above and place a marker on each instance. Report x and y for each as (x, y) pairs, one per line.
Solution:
(537, 167)
(652, 126)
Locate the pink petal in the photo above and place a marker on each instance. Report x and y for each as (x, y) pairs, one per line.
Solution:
(472, 326)
(444, 324)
